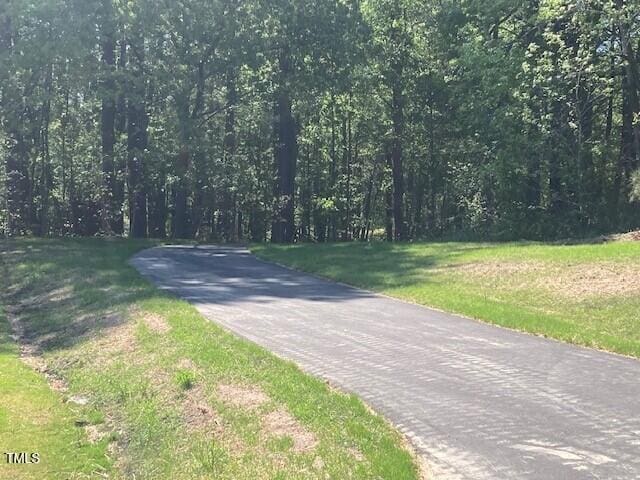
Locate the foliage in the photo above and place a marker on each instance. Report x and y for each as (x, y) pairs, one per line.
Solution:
(319, 120)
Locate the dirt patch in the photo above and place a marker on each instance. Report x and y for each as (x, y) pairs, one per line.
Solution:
(56, 383)
(199, 415)
(633, 236)
(280, 423)
(36, 362)
(622, 237)
(156, 323)
(88, 326)
(187, 364)
(113, 342)
(239, 396)
(356, 454)
(593, 280)
(318, 463)
(31, 354)
(78, 400)
(580, 281)
(55, 296)
(94, 433)
(494, 270)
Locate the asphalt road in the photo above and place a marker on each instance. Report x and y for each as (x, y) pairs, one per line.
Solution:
(479, 402)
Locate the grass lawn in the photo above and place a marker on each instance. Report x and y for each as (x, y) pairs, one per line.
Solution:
(130, 382)
(587, 294)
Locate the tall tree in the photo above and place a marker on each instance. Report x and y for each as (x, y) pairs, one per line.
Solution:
(137, 134)
(111, 211)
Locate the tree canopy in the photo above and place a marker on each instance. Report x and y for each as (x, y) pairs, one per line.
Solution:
(319, 120)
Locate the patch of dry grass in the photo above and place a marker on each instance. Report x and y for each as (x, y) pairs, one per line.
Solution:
(199, 415)
(571, 281)
(584, 281)
(155, 322)
(492, 270)
(280, 423)
(242, 396)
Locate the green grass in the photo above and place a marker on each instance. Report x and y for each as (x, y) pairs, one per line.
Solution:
(588, 294)
(185, 379)
(154, 406)
(34, 420)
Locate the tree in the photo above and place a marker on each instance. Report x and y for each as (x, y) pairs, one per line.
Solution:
(319, 120)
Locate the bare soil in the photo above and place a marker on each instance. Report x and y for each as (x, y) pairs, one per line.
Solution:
(198, 414)
(156, 323)
(249, 397)
(280, 423)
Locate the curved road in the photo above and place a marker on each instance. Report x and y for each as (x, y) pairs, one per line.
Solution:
(479, 402)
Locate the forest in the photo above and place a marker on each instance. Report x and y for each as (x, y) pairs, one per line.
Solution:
(319, 120)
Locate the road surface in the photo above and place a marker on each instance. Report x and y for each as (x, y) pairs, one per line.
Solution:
(478, 401)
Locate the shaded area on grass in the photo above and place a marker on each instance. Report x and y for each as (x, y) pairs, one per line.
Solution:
(64, 290)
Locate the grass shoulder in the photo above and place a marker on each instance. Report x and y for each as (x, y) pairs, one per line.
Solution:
(34, 419)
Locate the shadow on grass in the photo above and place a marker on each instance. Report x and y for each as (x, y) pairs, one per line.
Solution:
(377, 266)
(64, 291)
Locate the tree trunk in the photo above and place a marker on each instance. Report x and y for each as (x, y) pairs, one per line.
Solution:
(228, 220)
(632, 70)
(17, 181)
(588, 193)
(110, 222)
(46, 182)
(388, 197)
(333, 172)
(121, 100)
(348, 160)
(369, 201)
(120, 167)
(16, 172)
(179, 224)
(396, 162)
(157, 206)
(137, 123)
(286, 154)
(305, 194)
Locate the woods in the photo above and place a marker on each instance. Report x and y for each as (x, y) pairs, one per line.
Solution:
(327, 120)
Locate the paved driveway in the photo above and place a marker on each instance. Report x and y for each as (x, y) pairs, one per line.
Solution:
(479, 402)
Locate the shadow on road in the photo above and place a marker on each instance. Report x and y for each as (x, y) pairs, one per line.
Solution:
(233, 275)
